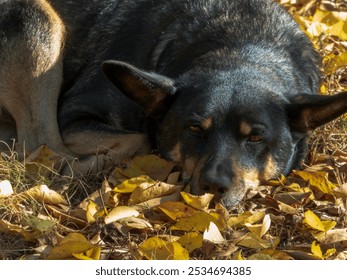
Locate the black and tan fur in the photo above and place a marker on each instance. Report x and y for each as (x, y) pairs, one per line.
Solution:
(226, 89)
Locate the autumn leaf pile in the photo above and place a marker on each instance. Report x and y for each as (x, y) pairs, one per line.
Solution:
(143, 211)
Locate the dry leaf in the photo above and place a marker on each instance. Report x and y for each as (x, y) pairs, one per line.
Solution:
(120, 212)
(191, 241)
(198, 202)
(155, 248)
(128, 186)
(73, 243)
(318, 180)
(147, 191)
(200, 221)
(177, 210)
(5, 188)
(43, 194)
(213, 234)
(151, 165)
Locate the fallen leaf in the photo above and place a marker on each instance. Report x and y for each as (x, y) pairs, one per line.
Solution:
(120, 212)
(200, 221)
(332, 236)
(13, 229)
(5, 188)
(155, 248)
(198, 202)
(316, 250)
(314, 222)
(73, 243)
(213, 234)
(177, 210)
(174, 197)
(317, 180)
(191, 241)
(92, 210)
(135, 223)
(251, 240)
(128, 186)
(147, 191)
(91, 254)
(260, 229)
(42, 193)
(42, 162)
(151, 165)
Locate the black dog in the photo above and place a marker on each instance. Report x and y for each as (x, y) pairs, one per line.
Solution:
(225, 88)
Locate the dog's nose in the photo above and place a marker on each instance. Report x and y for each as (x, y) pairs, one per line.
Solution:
(216, 179)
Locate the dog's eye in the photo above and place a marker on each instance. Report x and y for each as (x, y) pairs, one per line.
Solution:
(195, 128)
(255, 138)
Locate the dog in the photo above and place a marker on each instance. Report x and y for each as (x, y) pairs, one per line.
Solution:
(226, 89)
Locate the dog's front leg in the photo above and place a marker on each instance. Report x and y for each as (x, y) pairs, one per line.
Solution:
(31, 42)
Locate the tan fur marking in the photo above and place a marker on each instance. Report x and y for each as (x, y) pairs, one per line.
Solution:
(207, 123)
(245, 128)
(270, 169)
(175, 153)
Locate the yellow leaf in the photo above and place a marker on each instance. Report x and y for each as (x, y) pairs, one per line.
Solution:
(250, 240)
(191, 241)
(157, 201)
(151, 165)
(41, 162)
(200, 221)
(128, 186)
(329, 253)
(43, 194)
(73, 243)
(198, 202)
(318, 180)
(278, 182)
(276, 255)
(255, 218)
(339, 29)
(260, 229)
(177, 210)
(91, 254)
(238, 256)
(156, 248)
(335, 63)
(135, 223)
(239, 219)
(316, 250)
(147, 191)
(9, 228)
(312, 220)
(120, 212)
(328, 225)
(5, 188)
(92, 209)
(213, 234)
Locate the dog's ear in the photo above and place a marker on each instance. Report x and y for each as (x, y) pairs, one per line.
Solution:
(307, 112)
(153, 92)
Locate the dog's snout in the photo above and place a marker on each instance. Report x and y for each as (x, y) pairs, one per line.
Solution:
(216, 179)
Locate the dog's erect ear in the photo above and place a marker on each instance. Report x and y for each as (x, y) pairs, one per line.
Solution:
(307, 112)
(153, 92)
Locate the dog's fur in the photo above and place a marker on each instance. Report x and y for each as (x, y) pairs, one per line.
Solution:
(226, 89)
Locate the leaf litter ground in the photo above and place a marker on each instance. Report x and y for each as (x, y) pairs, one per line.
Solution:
(143, 211)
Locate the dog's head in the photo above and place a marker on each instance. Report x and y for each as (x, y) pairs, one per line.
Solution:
(228, 131)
